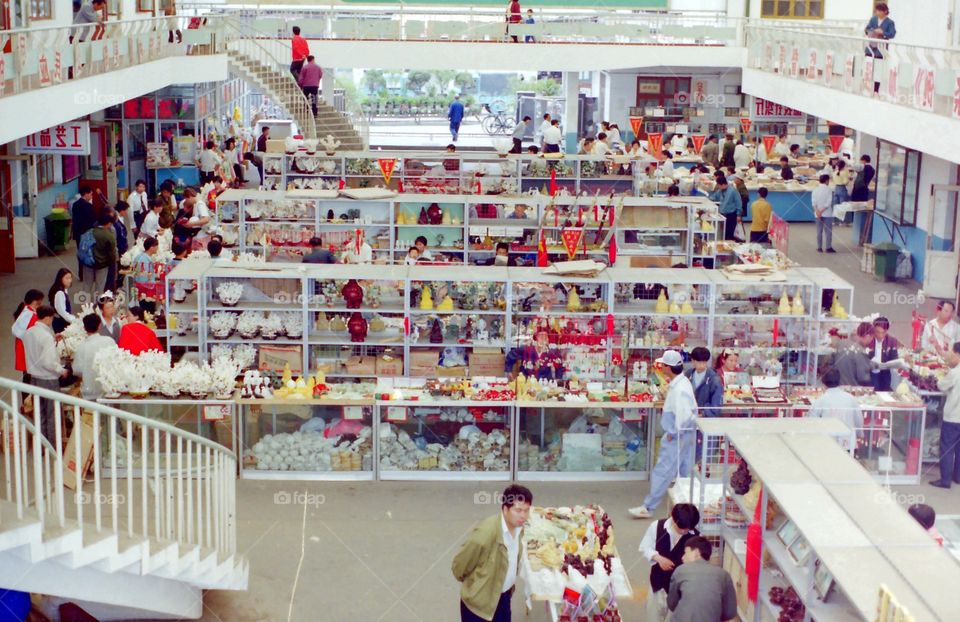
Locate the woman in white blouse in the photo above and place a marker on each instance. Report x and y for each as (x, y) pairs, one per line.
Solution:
(59, 296)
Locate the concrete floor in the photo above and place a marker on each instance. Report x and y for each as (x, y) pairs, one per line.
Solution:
(382, 551)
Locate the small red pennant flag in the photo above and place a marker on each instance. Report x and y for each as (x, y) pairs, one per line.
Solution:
(769, 142)
(636, 124)
(609, 325)
(612, 251)
(553, 182)
(745, 124)
(698, 141)
(542, 252)
(655, 144)
(386, 168)
(571, 240)
(400, 186)
(754, 544)
(836, 141)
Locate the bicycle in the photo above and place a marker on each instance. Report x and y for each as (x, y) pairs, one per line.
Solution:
(497, 124)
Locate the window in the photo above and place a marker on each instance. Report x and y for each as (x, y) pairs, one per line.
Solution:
(113, 7)
(45, 171)
(898, 181)
(70, 165)
(41, 9)
(792, 9)
(145, 6)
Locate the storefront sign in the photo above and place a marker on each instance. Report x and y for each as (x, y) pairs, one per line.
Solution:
(795, 62)
(923, 88)
(44, 70)
(782, 60)
(216, 412)
(116, 53)
(768, 56)
(71, 138)
(57, 68)
(778, 233)
(764, 110)
(396, 413)
(185, 149)
(648, 87)
(956, 99)
(848, 73)
(21, 51)
(158, 155)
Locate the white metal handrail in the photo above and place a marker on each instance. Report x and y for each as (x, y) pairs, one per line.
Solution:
(840, 61)
(187, 483)
(275, 76)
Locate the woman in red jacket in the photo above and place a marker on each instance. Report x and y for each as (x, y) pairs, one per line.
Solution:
(136, 336)
(26, 317)
(514, 17)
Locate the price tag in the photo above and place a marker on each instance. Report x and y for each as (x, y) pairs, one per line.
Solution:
(216, 412)
(396, 413)
(352, 412)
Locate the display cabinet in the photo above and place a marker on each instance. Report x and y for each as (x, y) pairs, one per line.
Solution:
(184, 293)
(313, 171)
(274, 171)
(440, 222)
(355, 320)
(582, 441)
(444, 440)
(212, 419)
(835, 323)
(307, 439)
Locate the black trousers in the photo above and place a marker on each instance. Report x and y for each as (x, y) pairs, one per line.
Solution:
(517, 146)
(730, 226)
(760, 237)
(502, 614)
(310, 92)
(295, 68)
(207, 176)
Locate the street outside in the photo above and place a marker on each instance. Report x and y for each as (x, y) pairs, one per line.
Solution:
(430, 133)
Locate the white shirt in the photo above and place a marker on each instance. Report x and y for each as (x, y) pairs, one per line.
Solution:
(251, 175)
(151, 225)
(698, 378)
(543, 128)
(666, 169)
(613, 137)
(552, 135)
(741, 156)
(678, 144)
(139, 202)
(209, 160)
(782, 149)
(950, 384)
(22, 322)
(648, 545)
(60, 304)
(944, 336)
(839, 404)
(822, 199)
(600, 148)
(877, 352)
(512, 542)
(83, 364)
(681, 404)
(40, 348)
(200, 210)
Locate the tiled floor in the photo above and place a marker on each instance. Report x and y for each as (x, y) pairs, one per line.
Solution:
(382, 551)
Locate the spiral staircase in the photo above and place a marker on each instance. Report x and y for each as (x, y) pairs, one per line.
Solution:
(151, 527)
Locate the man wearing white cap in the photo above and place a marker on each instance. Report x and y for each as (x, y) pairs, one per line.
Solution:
(679, 437)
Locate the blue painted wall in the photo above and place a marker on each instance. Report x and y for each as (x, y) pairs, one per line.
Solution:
(916, 243)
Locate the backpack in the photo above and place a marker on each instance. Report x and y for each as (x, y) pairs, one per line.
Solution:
(85, 249)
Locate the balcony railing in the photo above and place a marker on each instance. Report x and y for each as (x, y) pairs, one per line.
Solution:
(919, 77)
(46, 56)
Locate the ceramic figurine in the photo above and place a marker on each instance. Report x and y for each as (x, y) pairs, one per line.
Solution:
(573, 300)
(674, 307)
(337, 324)
(662, 305)
(426, 299)
(352, 294)
(436, 332)
(423, 219)
(434, 214)
(377, 325)
(798, 308)
(322, 324)
(446, 304)
(447, 219)
(357, 327)
(686, 308)
(784, 304)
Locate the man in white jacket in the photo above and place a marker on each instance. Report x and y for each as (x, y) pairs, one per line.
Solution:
(950, 428)
(84, 358)
(43, 365)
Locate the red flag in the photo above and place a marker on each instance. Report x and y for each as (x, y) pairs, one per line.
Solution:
(769, 141)
(400, 186)
(609, 325)
(836, 140)
(636, 124)
(479, 187)
(655, 144)
(542, 252)
(754, 544)
(386, 167)
(571, 239)
(343, 183)
(612, 250)
(745, 124)
(698, 141)
(553, 182)
(776, 331)
(406, 326)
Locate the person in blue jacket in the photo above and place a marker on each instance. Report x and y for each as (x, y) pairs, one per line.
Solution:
(455, 114)
(708, 391)
(728, 200)
(881, 27)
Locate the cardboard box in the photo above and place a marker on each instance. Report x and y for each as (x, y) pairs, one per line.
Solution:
(389, 365)
(71, 472)
(486, 363)
(451, 372)
(275, 358)
(362, 365)
(423, 362)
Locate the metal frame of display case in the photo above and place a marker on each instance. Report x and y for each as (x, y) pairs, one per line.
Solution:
(463, 228)
(824, 279)
(193, 271)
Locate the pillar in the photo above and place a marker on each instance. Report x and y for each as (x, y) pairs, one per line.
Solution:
(571, 113)
(327, 84)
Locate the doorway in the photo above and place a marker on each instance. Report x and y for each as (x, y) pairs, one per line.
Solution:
(8, 261)
(942, 263)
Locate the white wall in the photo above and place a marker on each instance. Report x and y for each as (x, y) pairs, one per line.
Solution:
(922, 22)
(698, 5)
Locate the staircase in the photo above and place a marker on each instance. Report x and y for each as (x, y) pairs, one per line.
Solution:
(153, 525)
(255, 57)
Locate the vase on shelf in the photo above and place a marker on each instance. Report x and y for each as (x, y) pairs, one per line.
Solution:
(357, 326)
(352, 294)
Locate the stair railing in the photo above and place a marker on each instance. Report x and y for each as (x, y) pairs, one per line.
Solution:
(187, 484)
(264, 50)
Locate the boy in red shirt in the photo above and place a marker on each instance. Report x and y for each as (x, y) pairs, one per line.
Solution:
(300, 50)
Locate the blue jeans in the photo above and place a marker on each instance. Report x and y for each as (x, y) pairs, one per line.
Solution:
(674, 460)
(455, 129)
(949, 452)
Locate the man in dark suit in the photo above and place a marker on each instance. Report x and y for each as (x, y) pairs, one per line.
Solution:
(84, 218)
(882, 350)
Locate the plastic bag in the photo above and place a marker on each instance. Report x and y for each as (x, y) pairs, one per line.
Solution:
(316, 424)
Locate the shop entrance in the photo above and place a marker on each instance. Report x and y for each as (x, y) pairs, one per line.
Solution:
(940, 275)
(7, 252)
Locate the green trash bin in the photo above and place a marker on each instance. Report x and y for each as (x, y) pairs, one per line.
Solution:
(885, 260)
(58, 229)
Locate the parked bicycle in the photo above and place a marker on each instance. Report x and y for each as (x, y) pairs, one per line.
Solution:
(496, 122)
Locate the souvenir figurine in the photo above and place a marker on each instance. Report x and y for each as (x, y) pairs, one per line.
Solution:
(426, 299)
(357, 327)
(352, 294)
(436, 332)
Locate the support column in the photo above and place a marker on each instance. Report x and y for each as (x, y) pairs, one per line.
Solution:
(571, 113)
(327, 84)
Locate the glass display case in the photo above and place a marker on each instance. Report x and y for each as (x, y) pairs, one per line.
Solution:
(355, 327)
(184, 291)
(444, 440)
(307, 439)
(592, 441)
(440, 222)
(214, 420)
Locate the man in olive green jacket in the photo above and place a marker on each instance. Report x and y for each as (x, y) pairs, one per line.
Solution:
(487, 563)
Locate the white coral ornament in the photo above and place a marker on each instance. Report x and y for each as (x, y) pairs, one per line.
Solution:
(229, 293)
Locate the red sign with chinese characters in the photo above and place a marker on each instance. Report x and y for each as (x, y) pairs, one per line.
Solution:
(764, 109)
(71, 138)
(779, 233)
(571, 240)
